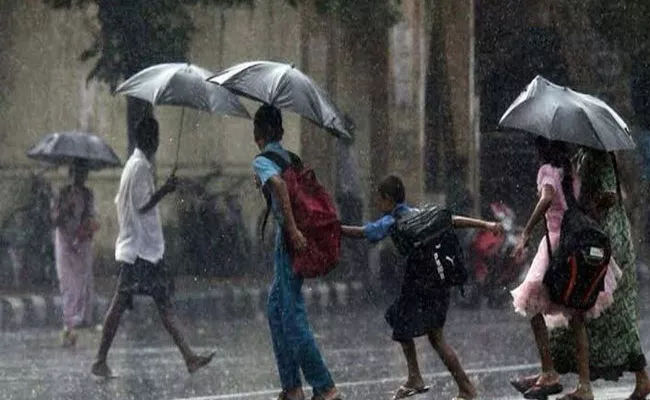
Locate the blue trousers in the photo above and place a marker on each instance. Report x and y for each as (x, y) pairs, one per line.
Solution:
(293, 341)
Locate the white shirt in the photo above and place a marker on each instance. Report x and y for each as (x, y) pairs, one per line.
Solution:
(140, 233)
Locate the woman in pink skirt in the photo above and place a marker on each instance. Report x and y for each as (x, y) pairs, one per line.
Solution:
(531, 298)
(74, 218)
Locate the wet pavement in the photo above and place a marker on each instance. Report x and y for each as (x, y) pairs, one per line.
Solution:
(493, 345)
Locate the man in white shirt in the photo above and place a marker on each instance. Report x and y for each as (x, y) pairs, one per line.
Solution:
(140, 248)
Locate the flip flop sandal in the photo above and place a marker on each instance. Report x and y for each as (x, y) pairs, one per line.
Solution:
(523, 384)
(405, 391)
(543, 391)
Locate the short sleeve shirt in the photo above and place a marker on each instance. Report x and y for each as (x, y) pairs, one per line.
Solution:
(265, 169)
(381, 228)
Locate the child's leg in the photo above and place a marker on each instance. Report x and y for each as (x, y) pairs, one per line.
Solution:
(548, 375)
(414, 379)
(577, 324)
(466, 389)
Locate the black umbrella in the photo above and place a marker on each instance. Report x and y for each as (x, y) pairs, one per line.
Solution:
(68, 147)
(283, 86)
(559, 113)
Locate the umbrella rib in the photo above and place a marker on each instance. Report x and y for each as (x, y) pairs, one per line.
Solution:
(160, 90)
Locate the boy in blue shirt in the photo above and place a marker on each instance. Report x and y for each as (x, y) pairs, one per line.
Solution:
(416, 311)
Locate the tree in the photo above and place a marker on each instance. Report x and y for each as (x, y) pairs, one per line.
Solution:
(134, 34)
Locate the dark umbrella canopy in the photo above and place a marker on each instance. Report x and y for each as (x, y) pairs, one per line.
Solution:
(68, 147)
(183, 85)
(285, 87)
(559, 113)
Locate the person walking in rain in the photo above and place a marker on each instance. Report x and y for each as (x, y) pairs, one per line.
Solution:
(293, 341)
(140, 248)
(614, 338)
(75, 225)
(418, 310)
(531, 298)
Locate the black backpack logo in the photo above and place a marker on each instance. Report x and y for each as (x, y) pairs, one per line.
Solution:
(434, 253)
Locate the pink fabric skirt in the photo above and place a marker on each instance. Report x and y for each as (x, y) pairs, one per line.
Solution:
(532, 298)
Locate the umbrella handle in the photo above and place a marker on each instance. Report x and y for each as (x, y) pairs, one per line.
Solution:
(178, 145)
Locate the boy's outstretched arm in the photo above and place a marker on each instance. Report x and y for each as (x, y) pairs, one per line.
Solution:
(465, 222)
(353, 231)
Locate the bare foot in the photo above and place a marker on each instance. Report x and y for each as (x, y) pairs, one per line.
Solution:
(100, 369)
(198, 361)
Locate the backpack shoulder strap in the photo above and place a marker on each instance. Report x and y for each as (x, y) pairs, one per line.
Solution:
(296, 161)
(276, 158)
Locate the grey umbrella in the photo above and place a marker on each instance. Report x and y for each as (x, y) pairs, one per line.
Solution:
(559, 113)
(184, 85)
(285, 87)
(68, 147)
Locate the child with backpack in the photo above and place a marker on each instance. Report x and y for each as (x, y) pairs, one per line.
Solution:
(532, 298)
(294, 345)
(419, 309)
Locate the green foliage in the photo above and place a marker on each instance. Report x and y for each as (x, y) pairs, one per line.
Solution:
(135, 34)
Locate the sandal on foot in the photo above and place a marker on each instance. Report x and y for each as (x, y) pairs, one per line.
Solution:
(543, 391)
(406, 391)
(525, 383)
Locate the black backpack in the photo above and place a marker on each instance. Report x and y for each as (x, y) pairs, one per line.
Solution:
(576, 272)
(434, 253)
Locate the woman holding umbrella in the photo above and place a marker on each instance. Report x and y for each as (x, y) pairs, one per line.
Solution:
(74, 219)
(615, 345)
(560, 113)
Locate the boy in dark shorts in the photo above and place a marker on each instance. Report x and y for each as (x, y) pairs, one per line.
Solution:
(417, 312)
(140, 248)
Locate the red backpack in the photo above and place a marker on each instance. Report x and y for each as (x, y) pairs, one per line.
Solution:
(315, 215)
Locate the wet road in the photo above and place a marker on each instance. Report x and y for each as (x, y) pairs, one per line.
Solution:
(492, 344)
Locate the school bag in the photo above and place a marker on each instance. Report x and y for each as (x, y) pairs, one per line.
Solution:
(315, 214)
(428, 240)
(576, 272)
